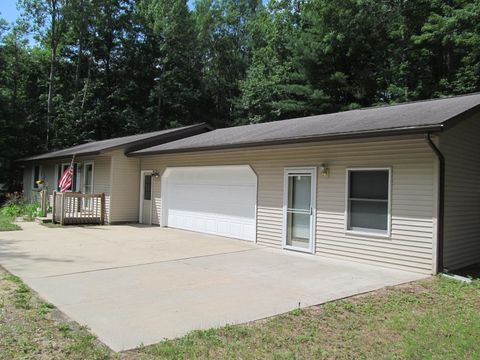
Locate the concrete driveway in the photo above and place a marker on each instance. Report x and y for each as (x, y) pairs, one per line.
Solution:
(134, 285)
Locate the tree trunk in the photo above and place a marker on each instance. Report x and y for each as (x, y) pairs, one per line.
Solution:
(77, 67)
(51, 77)
(50, 93)
(85, 88)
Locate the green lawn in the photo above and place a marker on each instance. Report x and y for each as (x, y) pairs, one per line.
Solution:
(6, 224)
(432, 319)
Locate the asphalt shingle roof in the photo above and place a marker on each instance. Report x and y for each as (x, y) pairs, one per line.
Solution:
(429, 115)
(129, 143)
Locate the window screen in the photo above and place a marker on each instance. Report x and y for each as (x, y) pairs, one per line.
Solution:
(368, 200)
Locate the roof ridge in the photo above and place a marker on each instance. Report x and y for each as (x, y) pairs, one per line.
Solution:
(373, 107)
(415, 101)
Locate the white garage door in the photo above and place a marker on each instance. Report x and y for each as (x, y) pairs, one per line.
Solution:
(218, 200)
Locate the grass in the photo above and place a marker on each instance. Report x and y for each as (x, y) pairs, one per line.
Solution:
(33, 329)
(432, 319)
(6, 224)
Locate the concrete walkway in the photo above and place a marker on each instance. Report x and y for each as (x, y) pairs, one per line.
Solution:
(134, 285)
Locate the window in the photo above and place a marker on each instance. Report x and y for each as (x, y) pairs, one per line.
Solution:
(75, 181)
(368, 202)
(37, 175)
(88, 178)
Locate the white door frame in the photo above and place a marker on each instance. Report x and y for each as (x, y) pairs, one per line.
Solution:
(142, 189)
(312, 171)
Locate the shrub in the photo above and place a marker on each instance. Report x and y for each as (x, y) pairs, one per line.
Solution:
(16, 206)
(11, 210)
(31, 210)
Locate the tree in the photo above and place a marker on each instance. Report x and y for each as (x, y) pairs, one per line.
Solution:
(50, 18)
(177, 82)
(276, 86)
(20, 71)
(225, 51)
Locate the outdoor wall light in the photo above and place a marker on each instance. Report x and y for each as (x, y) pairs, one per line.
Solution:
(156, 174)
(324, 170)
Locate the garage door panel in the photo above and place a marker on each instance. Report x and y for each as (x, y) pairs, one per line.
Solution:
(215, 200)
(220, 204)
(212, 224)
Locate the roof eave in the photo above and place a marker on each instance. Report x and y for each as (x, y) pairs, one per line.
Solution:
(30, 159)
(340, 136)
(449, 123)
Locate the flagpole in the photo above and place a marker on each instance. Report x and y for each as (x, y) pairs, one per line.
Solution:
(72, 172)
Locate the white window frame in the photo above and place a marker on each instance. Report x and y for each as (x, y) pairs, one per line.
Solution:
(368, 232)
(84, 177)
(77, 183)
(287, 172)
(40, 174)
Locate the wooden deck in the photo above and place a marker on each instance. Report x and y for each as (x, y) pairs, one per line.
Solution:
(76, 208)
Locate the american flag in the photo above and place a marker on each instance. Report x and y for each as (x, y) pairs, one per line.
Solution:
(65, 182)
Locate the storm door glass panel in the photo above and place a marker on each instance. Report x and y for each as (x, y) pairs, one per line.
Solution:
(147, 193)
(88, 186)
(299, 210)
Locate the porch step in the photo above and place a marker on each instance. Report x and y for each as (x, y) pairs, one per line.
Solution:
(43, 220)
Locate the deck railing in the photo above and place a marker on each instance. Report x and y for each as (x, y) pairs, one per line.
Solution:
(76, 208)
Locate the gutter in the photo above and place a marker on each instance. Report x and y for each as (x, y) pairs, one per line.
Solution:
(441, 202)
(66, 156)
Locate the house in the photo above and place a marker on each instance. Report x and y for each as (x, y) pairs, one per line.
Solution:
(395, 186)
(101, 167)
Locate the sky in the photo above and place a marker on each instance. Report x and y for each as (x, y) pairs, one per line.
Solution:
(8, 10)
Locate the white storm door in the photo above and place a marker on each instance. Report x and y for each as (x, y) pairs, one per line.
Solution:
(87, 184)
(299, 209)
(146, 198)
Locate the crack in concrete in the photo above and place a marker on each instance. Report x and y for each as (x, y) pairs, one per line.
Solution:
(147, 263)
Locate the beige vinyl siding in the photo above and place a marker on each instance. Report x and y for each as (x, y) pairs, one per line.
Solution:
(101, 180)
(125, 185)
(413, 202)
(461, 147)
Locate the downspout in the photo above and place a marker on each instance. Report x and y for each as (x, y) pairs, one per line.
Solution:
(441, 201)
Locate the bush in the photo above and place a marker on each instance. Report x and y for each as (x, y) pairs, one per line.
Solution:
(12, 210)
(16, 206)
(31, 211)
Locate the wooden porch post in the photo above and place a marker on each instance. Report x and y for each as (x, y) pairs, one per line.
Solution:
(62, 209)
(54, 206)
(102, 209)
(43, 202)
